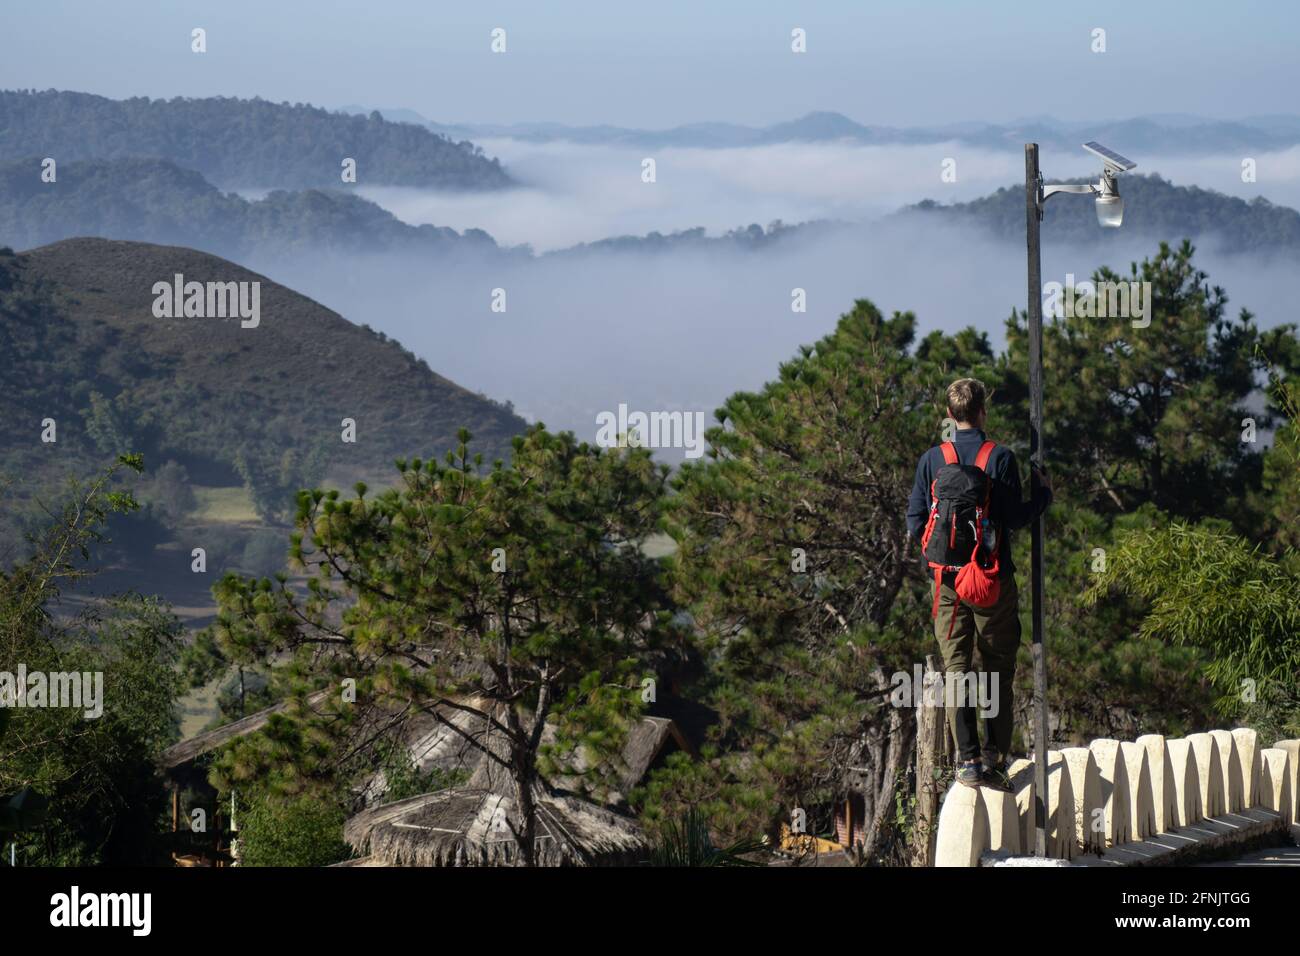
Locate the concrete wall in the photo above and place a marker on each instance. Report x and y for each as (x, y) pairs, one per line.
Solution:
(1110, 798)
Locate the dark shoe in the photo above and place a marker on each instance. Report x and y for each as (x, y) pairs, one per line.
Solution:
(995, 778)
(970, 774)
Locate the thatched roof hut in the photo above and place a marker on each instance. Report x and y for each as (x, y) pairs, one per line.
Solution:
(441, 739)
(443, 742)
(466, 826)
(449, 739)
(648, 741)
(187, 751)
(652, 739)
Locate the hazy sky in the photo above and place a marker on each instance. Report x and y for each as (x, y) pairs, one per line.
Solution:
(676, 61)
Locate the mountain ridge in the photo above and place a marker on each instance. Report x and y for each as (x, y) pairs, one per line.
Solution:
(1150, 134)
(156, 201)
(242, 142)
(1153, 206)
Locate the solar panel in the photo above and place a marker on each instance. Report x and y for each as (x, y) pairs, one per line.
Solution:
(1111, 157)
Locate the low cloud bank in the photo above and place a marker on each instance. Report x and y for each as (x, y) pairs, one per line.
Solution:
(581, 193)
(680, 330)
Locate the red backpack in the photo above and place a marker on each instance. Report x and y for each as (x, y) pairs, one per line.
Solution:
(959, 534)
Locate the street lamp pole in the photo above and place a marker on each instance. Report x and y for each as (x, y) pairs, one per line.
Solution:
(1110, 214)
(1033, 218)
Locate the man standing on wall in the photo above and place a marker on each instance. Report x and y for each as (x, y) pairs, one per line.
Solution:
(965, 503)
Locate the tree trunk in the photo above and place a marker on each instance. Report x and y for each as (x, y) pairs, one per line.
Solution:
(883, 756)
(527, 827)
(931, 734)
(523, 768)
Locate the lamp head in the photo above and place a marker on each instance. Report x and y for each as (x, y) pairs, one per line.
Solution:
(1110, 205)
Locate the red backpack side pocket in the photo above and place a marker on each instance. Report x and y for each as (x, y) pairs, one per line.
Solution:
(978, 586)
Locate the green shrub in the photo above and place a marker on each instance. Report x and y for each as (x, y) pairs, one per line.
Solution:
(303, 831)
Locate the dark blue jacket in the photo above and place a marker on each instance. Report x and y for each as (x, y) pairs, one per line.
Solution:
(1006, 507)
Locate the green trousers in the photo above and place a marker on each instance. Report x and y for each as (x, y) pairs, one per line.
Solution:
(960, 629)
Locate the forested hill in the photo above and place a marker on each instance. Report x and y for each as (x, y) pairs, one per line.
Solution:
(241, 143)
(1153, 207)
(259, 406)
(154, 200)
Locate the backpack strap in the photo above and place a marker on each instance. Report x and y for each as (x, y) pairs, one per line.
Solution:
(982, 463)
(949, 458)
(934, 611)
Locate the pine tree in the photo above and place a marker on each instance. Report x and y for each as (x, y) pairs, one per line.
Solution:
(521, 596)
(1149, 414)
(794, 559)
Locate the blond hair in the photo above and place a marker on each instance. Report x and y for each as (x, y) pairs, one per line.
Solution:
(966, 398)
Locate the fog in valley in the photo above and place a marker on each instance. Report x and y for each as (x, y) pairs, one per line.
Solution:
(574, 193)
(683, 327)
